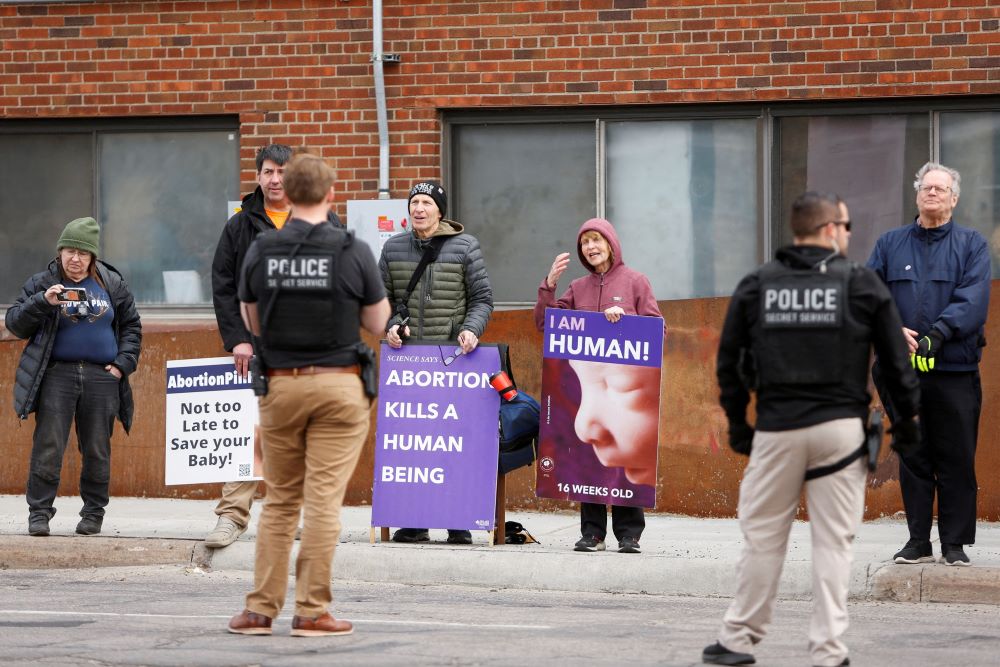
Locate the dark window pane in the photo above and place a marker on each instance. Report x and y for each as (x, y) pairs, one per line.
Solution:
(163, 204)
(683, 197)
(524, 190)
(970, 143)
(47, 181)
(869, 160)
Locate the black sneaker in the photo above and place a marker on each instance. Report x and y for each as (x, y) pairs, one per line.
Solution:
(589, 543)
(90, 525)
(915, 551)
(459, 537)
(411, 535)
(954, 554)
(38, 525)
(717, 654)
(628, 545)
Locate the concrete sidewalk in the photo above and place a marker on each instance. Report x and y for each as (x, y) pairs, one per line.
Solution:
(680, 555)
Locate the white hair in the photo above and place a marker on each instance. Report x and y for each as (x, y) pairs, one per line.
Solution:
(956, 178)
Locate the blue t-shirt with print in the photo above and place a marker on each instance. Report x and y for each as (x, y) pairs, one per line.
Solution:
(85, 332)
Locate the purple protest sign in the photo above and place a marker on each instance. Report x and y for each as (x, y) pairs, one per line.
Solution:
(600, 408)
(436, 437)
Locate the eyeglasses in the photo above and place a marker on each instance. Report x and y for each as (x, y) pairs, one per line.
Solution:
(450, 359)
(936, 189)
(73, 252)
(845, 223)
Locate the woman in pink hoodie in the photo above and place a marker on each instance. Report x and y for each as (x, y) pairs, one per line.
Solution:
(616, 290)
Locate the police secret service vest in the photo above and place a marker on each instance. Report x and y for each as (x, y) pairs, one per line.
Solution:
(804, 333)
(304, 309)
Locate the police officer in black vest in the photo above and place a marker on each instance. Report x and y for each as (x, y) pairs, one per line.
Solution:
(305, 291)
(799, 332)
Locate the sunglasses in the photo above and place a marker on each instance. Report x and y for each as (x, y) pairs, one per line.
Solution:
(845, 223)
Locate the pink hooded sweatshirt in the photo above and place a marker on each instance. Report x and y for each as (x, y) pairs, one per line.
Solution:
(618, 286)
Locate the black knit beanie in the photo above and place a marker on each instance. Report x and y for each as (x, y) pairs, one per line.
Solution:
(433, 190)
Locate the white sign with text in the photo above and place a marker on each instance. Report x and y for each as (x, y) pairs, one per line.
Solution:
(210, 423)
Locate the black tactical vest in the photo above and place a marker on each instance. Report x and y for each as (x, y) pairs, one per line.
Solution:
(804, 333)
(303, 307)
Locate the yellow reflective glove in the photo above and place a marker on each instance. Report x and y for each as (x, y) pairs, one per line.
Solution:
(927, 349)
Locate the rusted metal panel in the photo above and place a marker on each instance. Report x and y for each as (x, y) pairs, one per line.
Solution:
(698, 474)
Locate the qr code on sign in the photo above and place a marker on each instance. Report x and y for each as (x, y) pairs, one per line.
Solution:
(245, 470)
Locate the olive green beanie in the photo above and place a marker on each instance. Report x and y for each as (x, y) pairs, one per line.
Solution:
(82, 234)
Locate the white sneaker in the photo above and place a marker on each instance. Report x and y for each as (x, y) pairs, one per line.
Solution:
(225, 533)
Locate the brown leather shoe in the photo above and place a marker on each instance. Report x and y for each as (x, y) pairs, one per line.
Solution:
(249, 623)
(303, 626)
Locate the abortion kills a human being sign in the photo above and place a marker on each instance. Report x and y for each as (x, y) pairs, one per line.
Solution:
(600, 408)
(211, 419)
(436, 440)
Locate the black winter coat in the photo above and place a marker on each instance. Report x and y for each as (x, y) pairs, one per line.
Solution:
(240, 231)
(790, 406)
(34, 318)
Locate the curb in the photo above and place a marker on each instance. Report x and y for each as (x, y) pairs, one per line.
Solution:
(934, 583)
(515, 567)
(58, 551)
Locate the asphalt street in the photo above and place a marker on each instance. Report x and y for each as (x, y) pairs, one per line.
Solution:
(176, 615)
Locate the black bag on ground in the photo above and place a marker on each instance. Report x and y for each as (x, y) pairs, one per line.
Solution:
(515, 533)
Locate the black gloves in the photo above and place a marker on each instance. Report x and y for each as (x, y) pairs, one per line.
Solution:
(740, 438)
(906, 436)
(927, 349)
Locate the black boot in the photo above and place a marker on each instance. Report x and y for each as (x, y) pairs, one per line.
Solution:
(38, 525)
(90, 524)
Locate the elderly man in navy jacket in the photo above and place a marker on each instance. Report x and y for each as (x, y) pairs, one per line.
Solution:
(939, 275)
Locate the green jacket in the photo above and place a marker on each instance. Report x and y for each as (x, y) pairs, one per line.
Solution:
(453, 294)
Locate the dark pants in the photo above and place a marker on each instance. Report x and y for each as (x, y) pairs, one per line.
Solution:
(90, 394)
(950, 404)
(625, 521)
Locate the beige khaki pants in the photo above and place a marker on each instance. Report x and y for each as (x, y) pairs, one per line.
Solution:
(313, 428)
(769, 497)
(237, 497)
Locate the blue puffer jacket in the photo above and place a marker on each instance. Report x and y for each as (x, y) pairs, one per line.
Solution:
(939, 278)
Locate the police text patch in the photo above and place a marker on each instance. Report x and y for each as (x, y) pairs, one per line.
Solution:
(802, 303)
(300, 273)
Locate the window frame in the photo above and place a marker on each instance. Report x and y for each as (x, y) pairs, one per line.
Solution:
(94, 127)
(767, 114)
(600, 116)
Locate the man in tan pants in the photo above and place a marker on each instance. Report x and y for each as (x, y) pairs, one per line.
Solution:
(799, 332)
(265, 208)
(306, 290)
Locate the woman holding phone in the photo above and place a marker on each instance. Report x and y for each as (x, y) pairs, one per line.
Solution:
(84, 335)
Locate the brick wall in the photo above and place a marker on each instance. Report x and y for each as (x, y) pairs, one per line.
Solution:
(299, 71)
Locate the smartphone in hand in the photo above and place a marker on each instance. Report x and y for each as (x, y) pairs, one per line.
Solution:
(74, 294)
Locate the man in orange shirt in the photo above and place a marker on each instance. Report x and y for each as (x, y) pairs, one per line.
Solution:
(267, 207)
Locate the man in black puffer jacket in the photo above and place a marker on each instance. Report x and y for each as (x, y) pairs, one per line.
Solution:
(263, 209)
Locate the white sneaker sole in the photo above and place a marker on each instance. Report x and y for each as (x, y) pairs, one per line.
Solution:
(957, 563)
(899, 560)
